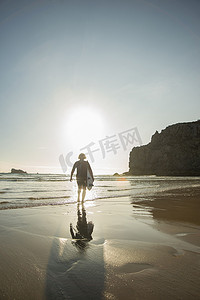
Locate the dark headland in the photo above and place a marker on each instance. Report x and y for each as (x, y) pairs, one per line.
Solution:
(173, 152)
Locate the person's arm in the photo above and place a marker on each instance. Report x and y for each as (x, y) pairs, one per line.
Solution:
(72, 172)
(90, 170)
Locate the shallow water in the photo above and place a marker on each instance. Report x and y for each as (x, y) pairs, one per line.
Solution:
(32, 190)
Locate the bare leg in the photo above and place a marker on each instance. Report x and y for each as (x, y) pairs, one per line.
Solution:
(79, 192)
(83, 193)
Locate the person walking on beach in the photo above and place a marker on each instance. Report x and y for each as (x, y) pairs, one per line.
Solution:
(82, 167)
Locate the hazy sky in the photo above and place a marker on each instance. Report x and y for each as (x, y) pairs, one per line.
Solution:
(75, 72)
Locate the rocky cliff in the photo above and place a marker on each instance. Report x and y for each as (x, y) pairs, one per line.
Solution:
(173, 152)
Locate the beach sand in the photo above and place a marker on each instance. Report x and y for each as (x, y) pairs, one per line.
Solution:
(144, 250)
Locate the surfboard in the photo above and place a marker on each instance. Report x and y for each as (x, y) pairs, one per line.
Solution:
(89, 180)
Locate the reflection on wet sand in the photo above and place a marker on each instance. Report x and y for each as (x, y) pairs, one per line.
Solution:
(174, 205)
(76, 272)
(82, 234)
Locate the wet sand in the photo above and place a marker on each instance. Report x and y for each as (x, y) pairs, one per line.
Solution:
(143, 250)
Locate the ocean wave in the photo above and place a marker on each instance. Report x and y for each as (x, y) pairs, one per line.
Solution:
(33, 198)
(31, 180)
(31, 205)
(119, 190)
(109, 186)
(46, 198)
(44, 190)
(36, 191)
(14, 205)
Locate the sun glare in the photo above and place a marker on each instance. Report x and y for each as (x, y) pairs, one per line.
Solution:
(84, 125)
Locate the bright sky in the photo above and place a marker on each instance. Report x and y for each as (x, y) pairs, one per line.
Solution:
(73, 73)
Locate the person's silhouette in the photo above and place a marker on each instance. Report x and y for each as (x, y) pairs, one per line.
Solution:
(83, 231)
(82, 167)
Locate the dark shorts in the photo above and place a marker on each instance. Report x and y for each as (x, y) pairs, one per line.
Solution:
(82, 183)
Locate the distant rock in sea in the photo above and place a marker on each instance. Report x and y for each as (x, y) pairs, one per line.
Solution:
(173, 152)
(15, 171)
(116, 174)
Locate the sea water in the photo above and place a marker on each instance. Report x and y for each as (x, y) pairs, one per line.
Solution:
(32, 190)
